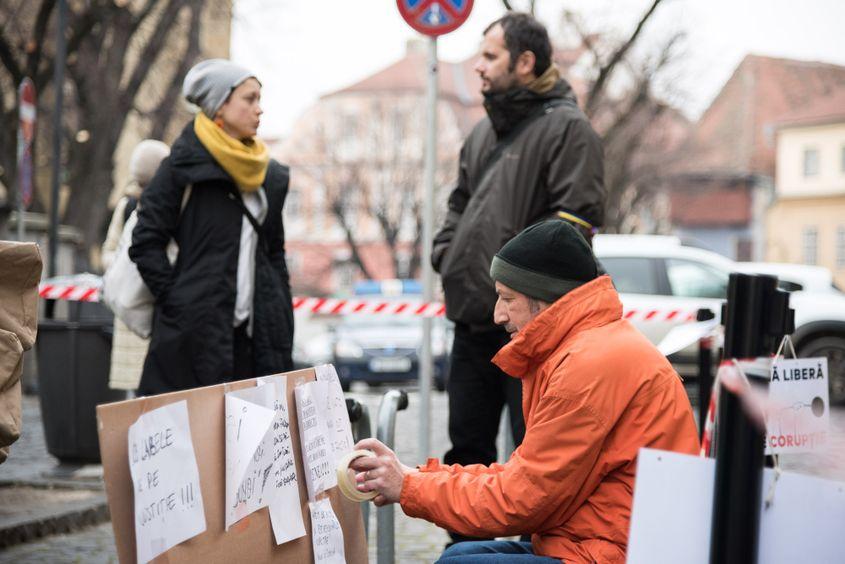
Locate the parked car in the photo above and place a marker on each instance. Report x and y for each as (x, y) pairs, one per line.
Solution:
(659, 274)
(378, 348)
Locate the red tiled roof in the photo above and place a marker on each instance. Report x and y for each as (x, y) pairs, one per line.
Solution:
(824, 109)
(736, 133)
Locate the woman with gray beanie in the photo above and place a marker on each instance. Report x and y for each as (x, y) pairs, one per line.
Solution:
(128, 349)
(223, 311)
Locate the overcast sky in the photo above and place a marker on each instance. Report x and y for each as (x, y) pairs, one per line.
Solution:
(302, 49)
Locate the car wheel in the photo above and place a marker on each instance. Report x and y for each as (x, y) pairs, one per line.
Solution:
(834, 349)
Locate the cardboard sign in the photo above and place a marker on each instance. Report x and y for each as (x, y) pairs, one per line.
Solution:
(167, 496)
(317, 452)
(673, 506)
(249, 540)
(799, 412)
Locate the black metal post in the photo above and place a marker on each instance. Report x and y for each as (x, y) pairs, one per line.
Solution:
(705, 370)
(756, 316)
(58, 91)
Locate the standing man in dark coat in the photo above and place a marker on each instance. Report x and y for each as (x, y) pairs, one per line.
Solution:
(534, 157)
(223, 310)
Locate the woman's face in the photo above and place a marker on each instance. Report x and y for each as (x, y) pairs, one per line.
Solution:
(240, 114)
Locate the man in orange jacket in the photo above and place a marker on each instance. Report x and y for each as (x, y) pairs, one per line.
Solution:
(595, 391)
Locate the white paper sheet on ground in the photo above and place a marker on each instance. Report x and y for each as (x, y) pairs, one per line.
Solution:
(337, 418)
(249, 450)
(317, 455)
(166, 481)
(684, 335)
(799, 411)
(285, 512)
(326, 534)
(673, 502)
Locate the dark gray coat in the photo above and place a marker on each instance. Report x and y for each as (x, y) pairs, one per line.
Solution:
(191, 343)
(553, 164)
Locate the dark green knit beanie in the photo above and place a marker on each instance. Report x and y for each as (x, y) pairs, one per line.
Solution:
(545, 261)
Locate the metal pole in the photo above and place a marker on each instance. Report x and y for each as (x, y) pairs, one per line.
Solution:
(391, 402)
(426, 361)
(756, 316)
(58, 90)
(359, 417)
(705, 370)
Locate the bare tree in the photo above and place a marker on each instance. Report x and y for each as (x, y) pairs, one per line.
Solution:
(124, 62)
(370, 169)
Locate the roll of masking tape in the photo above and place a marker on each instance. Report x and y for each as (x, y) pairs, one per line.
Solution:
(346, 483)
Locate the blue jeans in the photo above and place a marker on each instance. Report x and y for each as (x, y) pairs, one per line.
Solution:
(482, 552)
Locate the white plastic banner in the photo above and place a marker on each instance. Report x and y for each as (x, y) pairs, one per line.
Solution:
(798, 415)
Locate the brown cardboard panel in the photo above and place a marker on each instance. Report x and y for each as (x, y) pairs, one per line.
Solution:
(249, 540)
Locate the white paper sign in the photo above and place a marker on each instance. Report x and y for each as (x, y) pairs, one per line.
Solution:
(285, 512)
(249, 451)
(337, 418)
(799, 414)
(673, 506)
(326, 534)
(317, 455)
(166, 482)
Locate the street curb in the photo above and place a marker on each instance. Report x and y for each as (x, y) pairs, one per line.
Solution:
(67, 518)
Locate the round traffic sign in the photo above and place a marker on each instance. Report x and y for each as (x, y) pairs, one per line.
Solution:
(434, 17)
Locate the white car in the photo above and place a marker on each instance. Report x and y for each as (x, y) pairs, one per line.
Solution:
(663, 283)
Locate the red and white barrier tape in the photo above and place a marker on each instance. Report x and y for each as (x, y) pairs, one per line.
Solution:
(342, 306)
(676, 315)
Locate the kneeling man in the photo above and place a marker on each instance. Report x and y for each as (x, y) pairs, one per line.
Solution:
(595, 391)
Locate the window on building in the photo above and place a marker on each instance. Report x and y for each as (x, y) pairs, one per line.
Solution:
(810, 245)
(840, 247)
(811, 162)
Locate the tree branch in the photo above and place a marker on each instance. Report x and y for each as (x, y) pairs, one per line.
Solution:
(7, 57)
(147, 57)
(607, 69)
(38, 35)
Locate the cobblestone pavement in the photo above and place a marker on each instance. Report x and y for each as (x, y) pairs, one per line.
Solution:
(416, 540)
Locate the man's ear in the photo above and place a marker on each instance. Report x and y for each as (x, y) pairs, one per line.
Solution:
(524, 67)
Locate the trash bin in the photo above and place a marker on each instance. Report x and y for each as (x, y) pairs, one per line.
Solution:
(73, 377)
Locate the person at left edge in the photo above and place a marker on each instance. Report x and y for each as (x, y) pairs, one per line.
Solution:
(223, 310)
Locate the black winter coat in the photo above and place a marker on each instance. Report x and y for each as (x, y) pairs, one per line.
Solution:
(191, 342)
(553, 163)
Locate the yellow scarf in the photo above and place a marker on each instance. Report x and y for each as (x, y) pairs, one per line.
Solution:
(246, 163)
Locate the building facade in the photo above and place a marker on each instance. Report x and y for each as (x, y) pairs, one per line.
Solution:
(806, 223)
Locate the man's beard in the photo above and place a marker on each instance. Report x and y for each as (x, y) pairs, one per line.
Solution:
(502, 84)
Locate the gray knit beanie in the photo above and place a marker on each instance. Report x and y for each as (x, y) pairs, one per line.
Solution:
(209, 83)
(146, 156)
(545, 261)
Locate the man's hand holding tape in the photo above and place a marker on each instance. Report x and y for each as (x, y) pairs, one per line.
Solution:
(383, 473)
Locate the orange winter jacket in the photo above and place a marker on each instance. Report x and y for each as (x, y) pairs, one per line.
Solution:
(595, 391)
